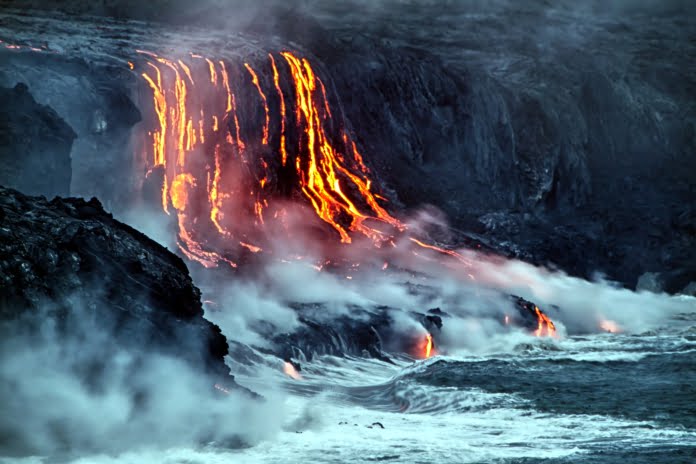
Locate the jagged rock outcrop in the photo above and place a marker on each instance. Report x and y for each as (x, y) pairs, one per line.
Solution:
(102, 336)
(69, 260)
(95, 101)
(35, 145)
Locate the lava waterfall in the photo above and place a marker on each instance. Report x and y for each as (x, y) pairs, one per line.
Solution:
(234, 144)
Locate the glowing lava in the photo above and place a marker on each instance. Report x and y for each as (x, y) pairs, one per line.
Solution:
(428, 348)
(195, 151)
(324, 178)
(290, 371)
(545, 326)
(227, 175)
(609, 326)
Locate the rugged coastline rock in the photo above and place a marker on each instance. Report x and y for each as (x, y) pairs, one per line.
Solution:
(571, 147)
(67, 259)
(35, 145)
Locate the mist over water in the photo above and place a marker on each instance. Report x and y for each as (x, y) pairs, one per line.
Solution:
(89, 394)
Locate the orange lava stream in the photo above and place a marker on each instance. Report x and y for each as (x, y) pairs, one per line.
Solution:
(276, 82)
(255, 80)
(231, 104)
(445, 251)
(429, 349)
(214, 196)
(320, 178)
(325, 176)
(161, 110)
(213, 73)
(545, 326)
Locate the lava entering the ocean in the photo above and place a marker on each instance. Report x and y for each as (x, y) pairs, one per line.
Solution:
(545, 326)
(235, 146)
(429, 349)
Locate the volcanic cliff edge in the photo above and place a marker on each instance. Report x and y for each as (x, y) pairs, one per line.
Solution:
(68, 260)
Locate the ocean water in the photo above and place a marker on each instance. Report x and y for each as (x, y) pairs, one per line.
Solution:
(587, 399)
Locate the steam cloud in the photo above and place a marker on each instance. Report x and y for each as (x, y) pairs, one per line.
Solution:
(66, 388)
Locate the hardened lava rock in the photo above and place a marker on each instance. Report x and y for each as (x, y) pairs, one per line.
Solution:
(35, 145)
(69, 261)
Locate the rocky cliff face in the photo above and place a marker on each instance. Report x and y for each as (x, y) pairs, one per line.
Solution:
(70, 256)
(101, 336)
(35, 145)
(95, 103)
(562, 134)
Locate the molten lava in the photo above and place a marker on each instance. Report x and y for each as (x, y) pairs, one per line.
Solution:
(227, 175)
(428, 347)
(290, 371)
(545, 326)
(325, 176)
(194, 153)
(609, 326)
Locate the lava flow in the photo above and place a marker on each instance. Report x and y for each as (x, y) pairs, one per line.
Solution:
(235, 145)
(545, 326)
(290, 371)
(211, 158)
(429, 347)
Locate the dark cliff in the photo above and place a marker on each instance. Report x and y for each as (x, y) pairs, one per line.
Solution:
(563, 134)
(35, 145)
(69, 255)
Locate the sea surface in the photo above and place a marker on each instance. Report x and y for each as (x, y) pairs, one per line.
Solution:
(599, 398)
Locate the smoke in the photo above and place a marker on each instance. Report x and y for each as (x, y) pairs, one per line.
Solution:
(67, 387)
(472, 289)
(241, 307)
(583, 305)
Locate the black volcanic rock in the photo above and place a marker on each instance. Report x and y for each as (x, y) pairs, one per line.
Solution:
(341, 336)
(69, 260)
(35, 145)
(94, 99)
(571, 146)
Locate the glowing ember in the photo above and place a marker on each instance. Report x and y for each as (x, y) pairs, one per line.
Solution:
(545, 326)
(609, 326)
(290, 371)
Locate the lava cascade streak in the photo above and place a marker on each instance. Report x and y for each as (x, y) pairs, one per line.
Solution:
(545, 326)
(429, 348)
